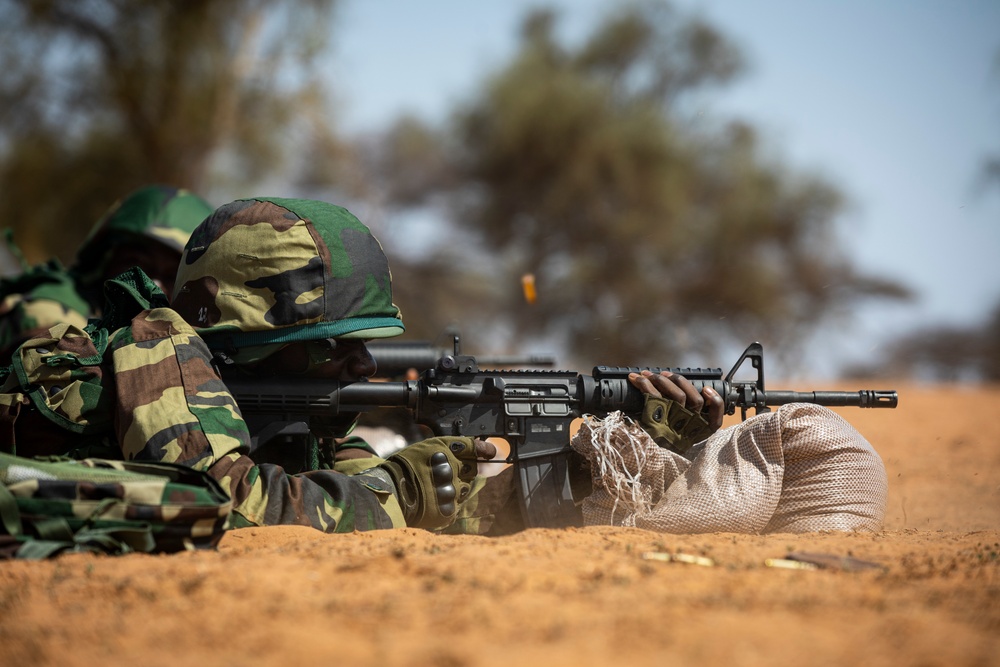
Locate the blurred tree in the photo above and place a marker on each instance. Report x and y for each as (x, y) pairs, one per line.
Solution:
(942, 353)
(650, 233)
(98, 97)
(991, 164)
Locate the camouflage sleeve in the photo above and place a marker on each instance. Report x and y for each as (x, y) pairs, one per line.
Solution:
(173, 407)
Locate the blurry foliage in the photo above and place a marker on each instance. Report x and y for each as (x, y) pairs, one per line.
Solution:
(991, 164)
(942, 354)
(98, 97)
(651, 233)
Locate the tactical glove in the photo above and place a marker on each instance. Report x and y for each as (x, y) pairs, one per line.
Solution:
(673, 426)
(433, 477)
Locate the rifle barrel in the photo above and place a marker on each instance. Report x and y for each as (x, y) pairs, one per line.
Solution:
(864, 398)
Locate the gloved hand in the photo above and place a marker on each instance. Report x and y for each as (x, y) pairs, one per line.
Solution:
(433, 477)
(673, 426)
(675, 413)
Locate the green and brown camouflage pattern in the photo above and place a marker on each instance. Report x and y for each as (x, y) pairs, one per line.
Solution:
(61, 374)
(158, 214)
(51, 507)
(49, 294)
(155, 395)
(267, 271)
(32, 302)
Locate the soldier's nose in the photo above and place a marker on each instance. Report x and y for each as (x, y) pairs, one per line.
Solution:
(362, 364)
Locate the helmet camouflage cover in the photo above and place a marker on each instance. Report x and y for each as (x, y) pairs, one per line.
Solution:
(266, 271)
(164, 214)
(35, 300)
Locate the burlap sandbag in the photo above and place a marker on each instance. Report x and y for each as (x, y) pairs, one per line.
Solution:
(801, 468)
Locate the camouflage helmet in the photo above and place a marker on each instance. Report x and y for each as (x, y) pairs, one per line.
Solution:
(267, 271)
(164, 214)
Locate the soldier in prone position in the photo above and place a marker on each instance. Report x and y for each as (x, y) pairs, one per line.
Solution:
(148, 229)
(271, 287)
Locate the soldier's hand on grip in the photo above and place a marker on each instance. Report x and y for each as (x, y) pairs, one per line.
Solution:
(434, 477)
(676, 414)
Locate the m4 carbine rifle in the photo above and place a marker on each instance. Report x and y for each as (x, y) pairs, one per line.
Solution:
(533, 410)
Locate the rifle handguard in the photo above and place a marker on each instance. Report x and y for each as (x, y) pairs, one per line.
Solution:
(673, 426)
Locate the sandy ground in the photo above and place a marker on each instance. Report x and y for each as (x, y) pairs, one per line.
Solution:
(590, 596)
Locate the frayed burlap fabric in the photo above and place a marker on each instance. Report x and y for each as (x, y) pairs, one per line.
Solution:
(801, 468)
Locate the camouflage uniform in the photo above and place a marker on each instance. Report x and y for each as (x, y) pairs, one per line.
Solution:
(35, 300)
(156, 217)
(256, 275)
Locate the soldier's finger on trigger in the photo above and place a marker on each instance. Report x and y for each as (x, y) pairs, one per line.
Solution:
(485, 449)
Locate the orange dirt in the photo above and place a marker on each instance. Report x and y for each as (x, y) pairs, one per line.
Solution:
(293, 596)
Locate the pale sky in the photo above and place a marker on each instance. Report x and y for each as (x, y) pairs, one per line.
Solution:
(896, 102)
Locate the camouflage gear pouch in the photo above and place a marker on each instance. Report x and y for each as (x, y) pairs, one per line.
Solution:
(101, 506)
(63, 372)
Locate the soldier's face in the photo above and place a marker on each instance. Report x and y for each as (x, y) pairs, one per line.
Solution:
(345, 360)
(156, 260)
